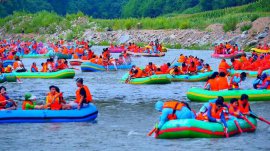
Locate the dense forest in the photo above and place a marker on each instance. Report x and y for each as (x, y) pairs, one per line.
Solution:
(116, 8)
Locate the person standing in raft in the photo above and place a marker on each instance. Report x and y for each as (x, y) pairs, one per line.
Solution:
(29, 102)
(216, 113)
(172, 110)
(83, 95)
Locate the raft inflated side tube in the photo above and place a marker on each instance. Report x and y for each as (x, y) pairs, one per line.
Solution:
(191, 78)
(192, 128)
(260, 50)
(92, 67)
(201, 95)
(46, 116)
(62, 74)
(154, 79)
(228, 56)
(249, 73)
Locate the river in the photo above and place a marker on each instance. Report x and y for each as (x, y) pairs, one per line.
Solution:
(126, 114)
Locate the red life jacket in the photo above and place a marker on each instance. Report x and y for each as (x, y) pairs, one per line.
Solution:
(2, 102)
(175, 106)
(243, 109)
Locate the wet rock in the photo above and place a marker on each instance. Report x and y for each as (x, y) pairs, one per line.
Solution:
(262, 35)
(252, 42)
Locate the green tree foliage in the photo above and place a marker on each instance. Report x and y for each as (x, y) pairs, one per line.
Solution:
(116, 8)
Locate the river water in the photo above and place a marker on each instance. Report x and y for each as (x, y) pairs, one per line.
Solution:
(126, 114)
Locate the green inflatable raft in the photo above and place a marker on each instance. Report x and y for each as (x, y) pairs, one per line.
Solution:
(192, 128)
(154, 79)
(8, 77)
(201, 95)
(191, 78)
(249, 73)
(62, 74)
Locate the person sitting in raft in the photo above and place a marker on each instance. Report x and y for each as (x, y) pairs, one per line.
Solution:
(63, 103)
(52, 99)
(265, 84)
(8, 69)
(5, 102)
(206, 68)
(234, 108)
(212, 83)
(2, 69)
(236, 80)
(18, 65)
(222, 81)
(165, 68)
(192, 69)
(83, 95)
(244, 106)
(34, 67)
(259, 80)
(184, 68)
(223, 66)
(236, 64)
(29, 103)
(216, 112)
(151, 68)
(175, 71)
(172, 110)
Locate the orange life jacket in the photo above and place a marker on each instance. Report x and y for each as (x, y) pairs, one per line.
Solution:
(15, 65)
(223, 66)
(202, 116)
(213, 84)
(44, 68)
(56, 105)
(2, 102)
(26, 102)
(222, 83)
(243, 109)
(215, 112)
(88, 95)
(234, 111)
(192, 69)
(175, 106)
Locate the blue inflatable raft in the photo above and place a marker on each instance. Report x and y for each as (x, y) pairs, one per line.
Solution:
(46, 116)
(8, 62)
(92, 67)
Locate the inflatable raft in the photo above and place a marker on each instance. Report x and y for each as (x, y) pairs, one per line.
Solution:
(228, 56)
(77, 62)
(8, 62)
(191, 78)
(260, 50)
(192, 128)
(154, 79)
(164, 49)
(249, 73)
(116, 49)
(8, 77)
(146, 54)
(63, 56)
(36, 56)
(62, 74)
(201, 95)
(45, 116)
(92, 67)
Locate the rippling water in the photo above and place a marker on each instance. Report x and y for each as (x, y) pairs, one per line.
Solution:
(126, 115)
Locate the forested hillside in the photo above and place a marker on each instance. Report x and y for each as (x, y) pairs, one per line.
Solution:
(116, 8)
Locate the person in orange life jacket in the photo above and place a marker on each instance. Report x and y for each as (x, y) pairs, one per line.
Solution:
(8, 69)
(236, 64)
(159, 71)
(244, 106)
(192, 69)
(52, 99)
(223, 66)
(212, 83)
(259, 80)
(236, 80)
(175, 71)
(216, 113)
(265, 84)
(222, 81)
(172, 110)
(63, 103)
(206, 68)
(18, 65)
(34, 67)
(83, 95)
(165, 68)
(5, 102)
(202, 114)
(151, 68)
(184, 68)
(29, 102)
(234, 108)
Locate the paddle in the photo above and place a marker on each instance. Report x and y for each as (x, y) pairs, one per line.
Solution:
(225, 131)
(238, 126)
(260, 118)
(152, 131)
(252, 125)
